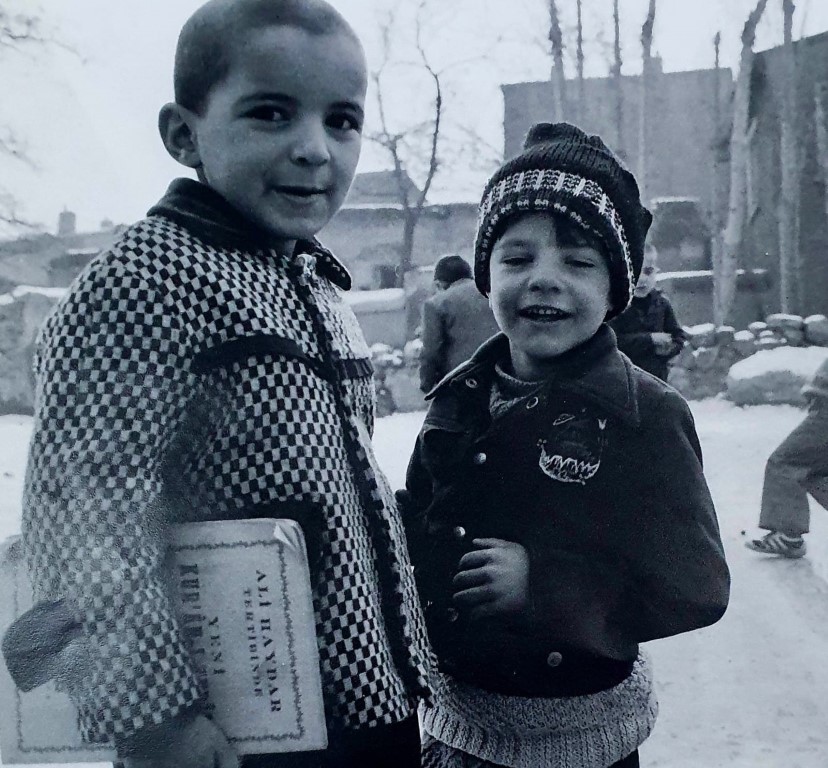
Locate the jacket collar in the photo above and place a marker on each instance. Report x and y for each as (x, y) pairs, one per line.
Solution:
(594, 370)
(209, 216)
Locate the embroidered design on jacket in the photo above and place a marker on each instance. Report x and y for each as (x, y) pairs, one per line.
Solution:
(575, 448)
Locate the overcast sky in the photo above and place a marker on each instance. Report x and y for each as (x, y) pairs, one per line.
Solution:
(88, 120)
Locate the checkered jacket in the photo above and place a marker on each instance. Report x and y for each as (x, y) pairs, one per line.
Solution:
(184, 378)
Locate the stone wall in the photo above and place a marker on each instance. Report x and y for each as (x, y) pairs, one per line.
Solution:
(701, 368)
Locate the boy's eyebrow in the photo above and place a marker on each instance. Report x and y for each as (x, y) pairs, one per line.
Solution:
(284, 98)
(507, 240)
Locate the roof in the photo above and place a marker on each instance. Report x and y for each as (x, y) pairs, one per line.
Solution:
(379, 187)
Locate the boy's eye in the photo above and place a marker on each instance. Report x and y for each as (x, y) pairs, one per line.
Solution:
(580, 263)
(514, 257)
(342, 121)
(268, 113)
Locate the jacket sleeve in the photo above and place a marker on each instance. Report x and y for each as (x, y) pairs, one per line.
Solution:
(632, 342)
(675, 581)
(111, 387)
(413, 501)
(672, 326)
(432, 357)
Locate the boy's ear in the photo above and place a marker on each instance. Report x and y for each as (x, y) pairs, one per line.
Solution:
(176, 124)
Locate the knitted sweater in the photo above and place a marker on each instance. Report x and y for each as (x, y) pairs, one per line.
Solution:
(193, 373)
(592, 731)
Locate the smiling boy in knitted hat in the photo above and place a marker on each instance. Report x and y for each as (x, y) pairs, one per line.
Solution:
(556, 509)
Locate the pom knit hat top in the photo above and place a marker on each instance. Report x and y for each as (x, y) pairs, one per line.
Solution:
(566, 172)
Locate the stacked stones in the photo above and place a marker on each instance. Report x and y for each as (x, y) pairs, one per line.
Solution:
(396, 378)
(700, 369)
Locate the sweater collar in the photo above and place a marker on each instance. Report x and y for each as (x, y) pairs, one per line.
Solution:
(594, 370)
(207, 214)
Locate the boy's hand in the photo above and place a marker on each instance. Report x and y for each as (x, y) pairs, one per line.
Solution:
(493, 580)
(195, 743)
(663, 343)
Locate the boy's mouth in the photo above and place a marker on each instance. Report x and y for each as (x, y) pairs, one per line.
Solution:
(543, 314)
(305, 193)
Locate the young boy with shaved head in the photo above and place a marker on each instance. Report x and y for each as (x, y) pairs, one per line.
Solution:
(206, 367)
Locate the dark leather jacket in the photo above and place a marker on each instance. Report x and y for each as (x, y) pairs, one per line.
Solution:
(598, 475)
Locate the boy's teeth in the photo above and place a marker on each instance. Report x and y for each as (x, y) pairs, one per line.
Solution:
(544, 312)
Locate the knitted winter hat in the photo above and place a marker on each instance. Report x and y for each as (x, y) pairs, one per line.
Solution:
(565, 171)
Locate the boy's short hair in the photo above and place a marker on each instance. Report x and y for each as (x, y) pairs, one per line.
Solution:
(207, 41)
(450, 269)
(563, 171)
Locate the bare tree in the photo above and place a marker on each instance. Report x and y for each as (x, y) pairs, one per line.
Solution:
(821, 118)
(720, 160)
(18, 34)
(725, 276)
(616, 72)
(646, 97)
(558, 76)
(579, 59)
(789, 266)
(398, 143)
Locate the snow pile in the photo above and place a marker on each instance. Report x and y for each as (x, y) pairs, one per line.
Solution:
(381, 300)
(26, 290)
(774, 375)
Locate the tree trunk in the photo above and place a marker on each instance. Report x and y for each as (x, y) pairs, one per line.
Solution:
(646, 97)
(788, 202)
(725, 281)
(619, 96)
(579, 57)
(558, 77)
(821, 117)
(719, 165)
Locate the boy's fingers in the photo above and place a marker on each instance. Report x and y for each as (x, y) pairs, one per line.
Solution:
(489, 543)
(473, 596)
(474, 559)
(471, 578)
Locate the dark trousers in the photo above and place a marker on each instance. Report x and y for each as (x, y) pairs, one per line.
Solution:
(630, 761)
(799, 466)
(382, 746)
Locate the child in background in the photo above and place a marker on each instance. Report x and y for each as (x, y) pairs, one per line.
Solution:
(555, 505)
(648, 331)
(206, 367)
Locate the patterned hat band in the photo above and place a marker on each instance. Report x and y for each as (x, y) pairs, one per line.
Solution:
(580, 199)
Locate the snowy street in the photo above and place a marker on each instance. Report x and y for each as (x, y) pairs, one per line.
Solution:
(749, 692)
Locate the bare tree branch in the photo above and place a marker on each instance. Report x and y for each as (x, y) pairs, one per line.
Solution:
(789, 256)
(646, 94)
(724, 282)
(558, 76)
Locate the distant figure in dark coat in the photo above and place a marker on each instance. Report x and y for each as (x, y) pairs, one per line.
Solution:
(456, 321)
(648, 331)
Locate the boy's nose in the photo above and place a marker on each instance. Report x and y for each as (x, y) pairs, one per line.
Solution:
(544, 278)
(311, 147)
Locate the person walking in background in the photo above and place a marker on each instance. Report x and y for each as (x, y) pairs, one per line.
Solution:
(648, 332)
(456, 321)
(799, 466)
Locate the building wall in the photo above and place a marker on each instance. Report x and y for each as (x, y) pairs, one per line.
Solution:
(367, 238)
(681, 133)
(761, 240)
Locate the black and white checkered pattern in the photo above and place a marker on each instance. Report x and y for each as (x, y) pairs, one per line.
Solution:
(130, 434)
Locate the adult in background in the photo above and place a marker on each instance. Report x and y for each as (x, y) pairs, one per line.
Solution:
(456, 321)
(648, 332)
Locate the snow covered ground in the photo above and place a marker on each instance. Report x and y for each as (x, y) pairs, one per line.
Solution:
(753, 720)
